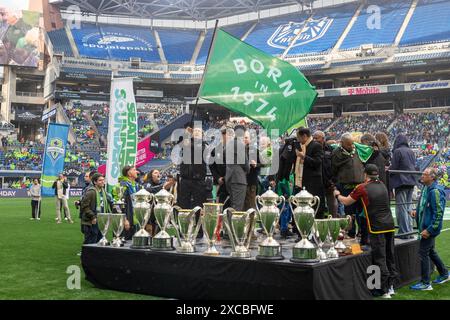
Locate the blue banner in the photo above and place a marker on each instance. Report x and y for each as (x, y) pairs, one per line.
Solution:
(54, 155)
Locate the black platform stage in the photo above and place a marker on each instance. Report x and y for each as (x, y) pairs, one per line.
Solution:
(195, 276)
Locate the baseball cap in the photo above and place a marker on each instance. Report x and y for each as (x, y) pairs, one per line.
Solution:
(371, 170)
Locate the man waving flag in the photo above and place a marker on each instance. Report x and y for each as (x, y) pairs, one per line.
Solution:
(248, 81)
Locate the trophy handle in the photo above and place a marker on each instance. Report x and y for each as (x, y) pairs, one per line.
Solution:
(198, 224)
(172, 200)
(292, 200)
(175, 224)
(280, 200)
(350, 222)
(258, 201)
(226, 222)
(251, 214)
(314, 202)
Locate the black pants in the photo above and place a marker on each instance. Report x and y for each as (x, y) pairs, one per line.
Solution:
(35, 213)
(426, 253)
(382, 246)
(192, 193)
(92, 234)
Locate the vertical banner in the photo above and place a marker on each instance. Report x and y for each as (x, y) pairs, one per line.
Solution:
(122, 131)
(54, 155)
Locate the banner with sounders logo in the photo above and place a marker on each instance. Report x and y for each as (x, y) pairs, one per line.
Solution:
(248, 81)
(122, 131)
(54, 156)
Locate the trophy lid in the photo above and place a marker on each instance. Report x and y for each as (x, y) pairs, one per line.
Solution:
(141, 194)
(163, 194)
(304, 196)
(269, 195)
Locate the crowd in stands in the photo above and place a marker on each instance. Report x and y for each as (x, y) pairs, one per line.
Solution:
(366, 123)
(423, 128)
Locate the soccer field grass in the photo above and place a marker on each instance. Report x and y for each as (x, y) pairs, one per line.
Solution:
(35, 255)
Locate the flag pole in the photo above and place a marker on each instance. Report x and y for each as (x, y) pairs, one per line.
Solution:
(204, 71)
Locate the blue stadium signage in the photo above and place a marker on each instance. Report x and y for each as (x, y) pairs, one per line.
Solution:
(430, 85)
(286, 33)
(116, 41)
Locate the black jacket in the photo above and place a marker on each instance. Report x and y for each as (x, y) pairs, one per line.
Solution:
(64, 184)
(379, 160)
(327, 174)
(192, 170)
(218, 167)
(312, 167)
(287, 159)
(347, 169)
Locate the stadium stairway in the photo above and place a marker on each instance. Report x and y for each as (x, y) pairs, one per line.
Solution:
(408, 17)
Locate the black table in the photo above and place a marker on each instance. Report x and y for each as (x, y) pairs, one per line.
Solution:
(195, 276)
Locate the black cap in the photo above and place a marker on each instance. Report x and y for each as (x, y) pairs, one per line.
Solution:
(371, 170)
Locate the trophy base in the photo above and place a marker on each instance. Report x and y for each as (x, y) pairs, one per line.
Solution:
(306, 255)
(269, 253)
(306, 261)
(340, 247)
(117, 244)
(103, 242)
(162, 244)
(211, 251)
(240, 254)
(332, 254)
(140, 243)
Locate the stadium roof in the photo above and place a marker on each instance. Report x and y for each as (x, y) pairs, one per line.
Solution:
(199, 10)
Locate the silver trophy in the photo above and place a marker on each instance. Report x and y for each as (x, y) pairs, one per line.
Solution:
(186, 228)
(240, 226)
(210, 221)
(344, 223)
(304, 251)
(333, 233)
(269, 248)
(120, 191)
(163, 212)
(141, 211)
(103, 222)
(321, 235)
(117, 225)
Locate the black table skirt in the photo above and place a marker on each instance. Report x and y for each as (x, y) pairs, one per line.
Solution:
(195, 276)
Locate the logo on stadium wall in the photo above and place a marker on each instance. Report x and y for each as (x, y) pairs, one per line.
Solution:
(286, 33)
(116, 41)
(429, 85)
(55, 150)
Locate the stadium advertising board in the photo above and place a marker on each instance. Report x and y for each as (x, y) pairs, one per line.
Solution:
(20, 37)
(429, 85)
(23, 193)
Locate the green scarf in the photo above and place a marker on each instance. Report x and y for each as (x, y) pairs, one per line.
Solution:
(105, 201)
(364, 152)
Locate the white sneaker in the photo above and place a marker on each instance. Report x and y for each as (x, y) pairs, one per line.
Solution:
(31, 218)
(56, 219)
(386, 296)
(65, 218)
(391, 291)
(38, 218)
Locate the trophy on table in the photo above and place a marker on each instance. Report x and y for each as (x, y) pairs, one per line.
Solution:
(117, 225)
(120, 191)
(304, 251)
(210, 221)
(186, 228)
(141, 211)
(103, 222)
(344, 223)
(240, 226)
(334, 227)
(269, 248)
(163, 209)
(321, 235)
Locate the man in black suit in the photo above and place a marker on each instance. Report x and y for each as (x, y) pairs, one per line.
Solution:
(308, 168)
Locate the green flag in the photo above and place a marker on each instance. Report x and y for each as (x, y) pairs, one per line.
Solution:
(248, 81)
(364, 152)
